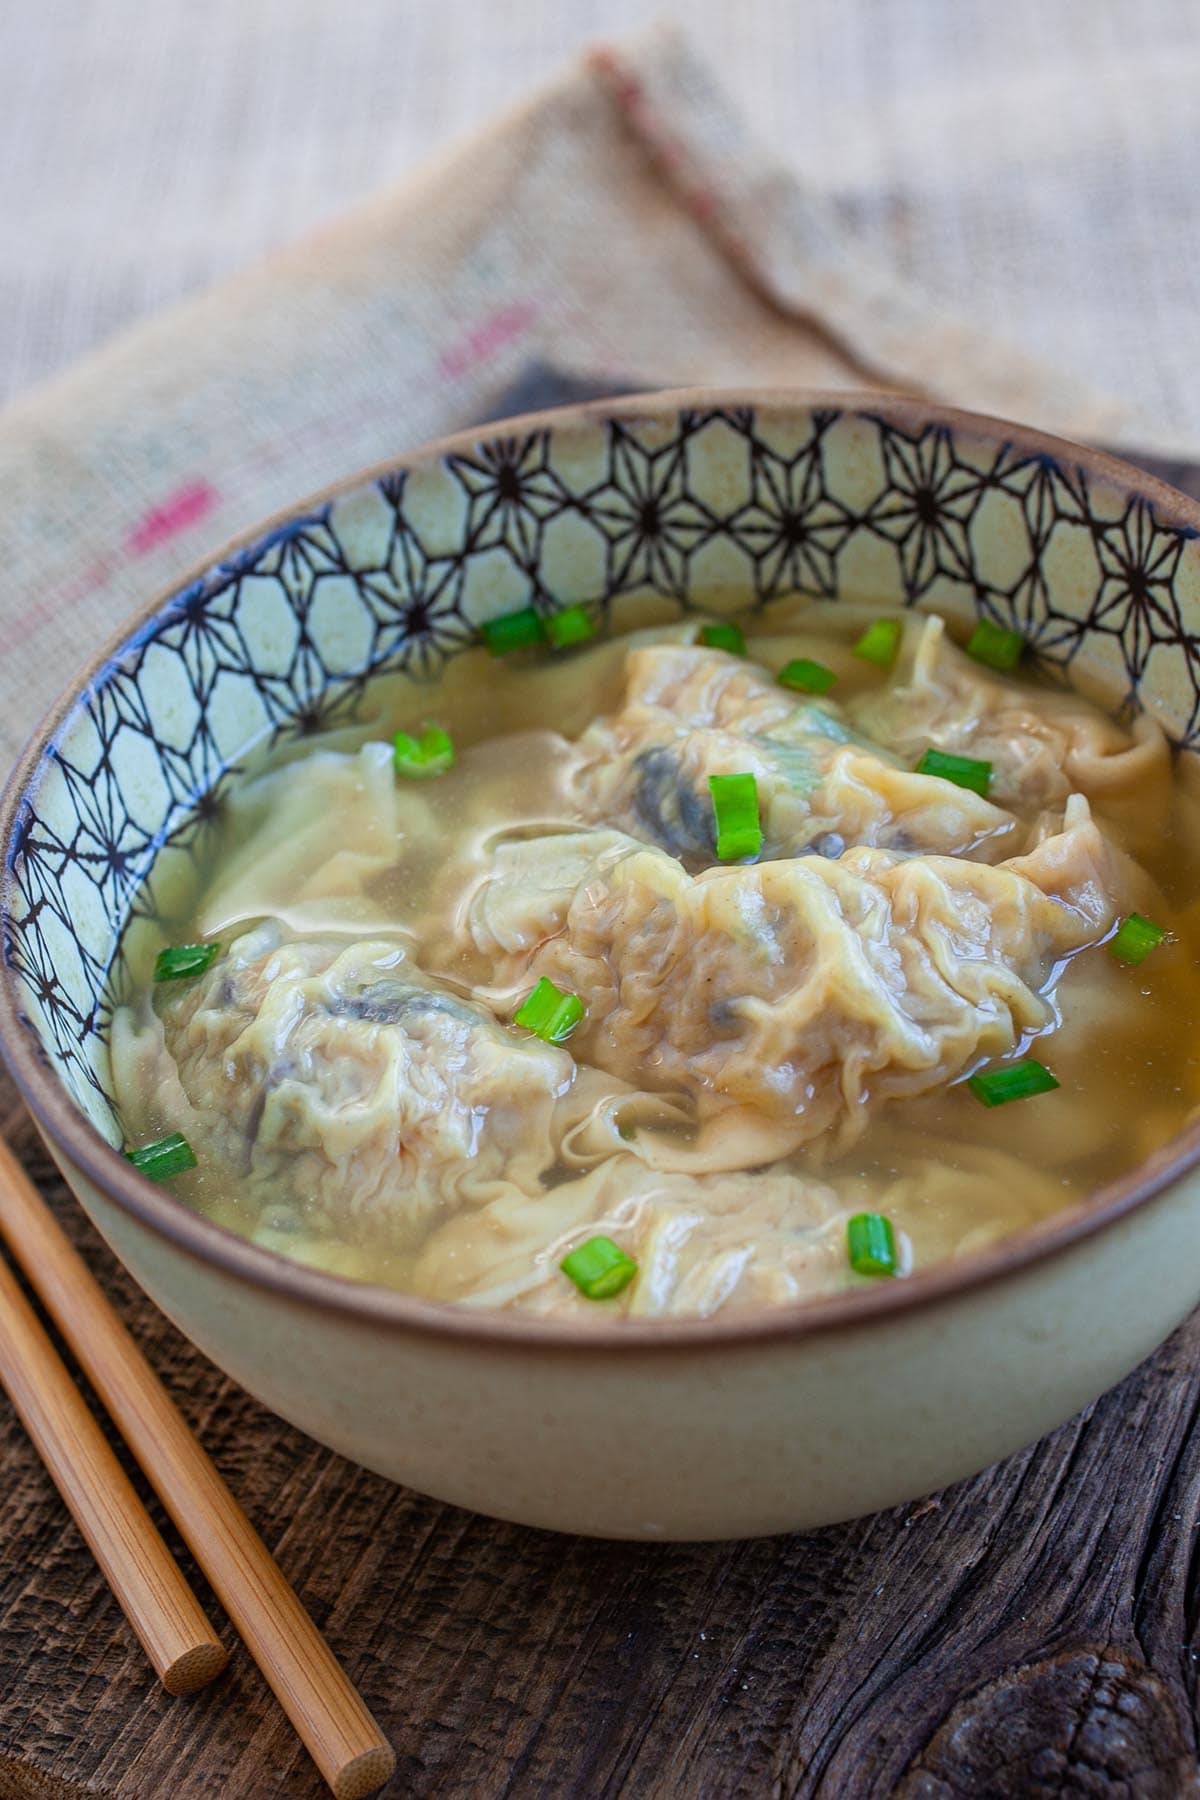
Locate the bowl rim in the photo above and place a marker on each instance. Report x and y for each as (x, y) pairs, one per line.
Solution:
(67, 1129)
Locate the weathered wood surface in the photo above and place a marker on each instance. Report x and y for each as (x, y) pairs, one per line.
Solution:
(1032, 1633)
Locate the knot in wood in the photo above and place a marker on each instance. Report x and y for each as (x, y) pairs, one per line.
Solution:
(1087, 1723)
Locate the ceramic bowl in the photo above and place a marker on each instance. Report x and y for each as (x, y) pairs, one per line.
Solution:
(728, 502)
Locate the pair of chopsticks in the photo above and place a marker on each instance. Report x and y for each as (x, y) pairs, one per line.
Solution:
(339, 1733)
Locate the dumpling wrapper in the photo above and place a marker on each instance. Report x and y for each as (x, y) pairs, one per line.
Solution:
(800, 994)
(703, 1243)
(283, 867)
(690, 713)
(1043, 743)
(731, 1243)
(335, 1076)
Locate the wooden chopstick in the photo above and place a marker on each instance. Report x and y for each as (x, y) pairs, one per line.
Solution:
(140, 1570)
(326, 1709)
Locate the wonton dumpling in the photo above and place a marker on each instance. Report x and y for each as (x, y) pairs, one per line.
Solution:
(532, 881)
(733, 1242)
(691, 712)
(1043, 744)
(804, 991)
(332, 1072)
(702, 1243)
(284, 867)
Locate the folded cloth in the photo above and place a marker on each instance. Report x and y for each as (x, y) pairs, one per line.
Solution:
(620, 225)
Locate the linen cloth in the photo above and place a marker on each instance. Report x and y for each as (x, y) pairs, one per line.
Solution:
(623, 224)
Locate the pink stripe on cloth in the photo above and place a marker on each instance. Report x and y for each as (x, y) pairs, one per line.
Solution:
(186, 506)
(491, 334)
(789, 246)
(713, 207)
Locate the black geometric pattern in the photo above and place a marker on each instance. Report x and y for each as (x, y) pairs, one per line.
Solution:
(794, 525)
(926, 508)
(1136, 600)
(283, 639)
(649, 517)
(511, 489)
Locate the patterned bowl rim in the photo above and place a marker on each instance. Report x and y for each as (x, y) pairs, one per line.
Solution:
(68, 1130)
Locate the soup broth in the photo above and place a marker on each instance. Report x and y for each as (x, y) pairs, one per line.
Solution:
(778, 1083)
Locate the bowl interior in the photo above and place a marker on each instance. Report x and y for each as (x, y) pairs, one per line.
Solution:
(638, 509)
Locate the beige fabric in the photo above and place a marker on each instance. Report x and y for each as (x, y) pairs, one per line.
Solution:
(620, 223)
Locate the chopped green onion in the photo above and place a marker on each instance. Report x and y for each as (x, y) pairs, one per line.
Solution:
(995, 646)
(963, 771)
(735, 807)
(513, 631)
(1012, 1081)
(599, 1268)
(166, 1157)
(724, 637)
(430, 754)
(871, 1244)
(549, 1013)
(880, 642)
(573, 625)
(185, 959)
(1136, 938)
(806, 677)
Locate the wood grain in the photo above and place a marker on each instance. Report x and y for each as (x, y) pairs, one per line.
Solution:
(337, 1730)
(1030, 1633)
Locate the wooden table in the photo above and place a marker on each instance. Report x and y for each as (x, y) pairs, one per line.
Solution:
(1032, 1633)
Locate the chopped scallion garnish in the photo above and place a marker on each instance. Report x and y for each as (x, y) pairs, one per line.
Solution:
(725, 636)
(1135, 938)
(735, 807)
(1011, 1081)
(806, 676)
(871, 1244)
(963, 771)
(166, 1157)
(513, 631)
(880, 642)
(600, 1269)
(573, 625)
(183, 960)
(419, 757)
(995, 646)
(549, 1013)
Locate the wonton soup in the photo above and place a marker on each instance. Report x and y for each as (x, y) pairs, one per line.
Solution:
(680, 972)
